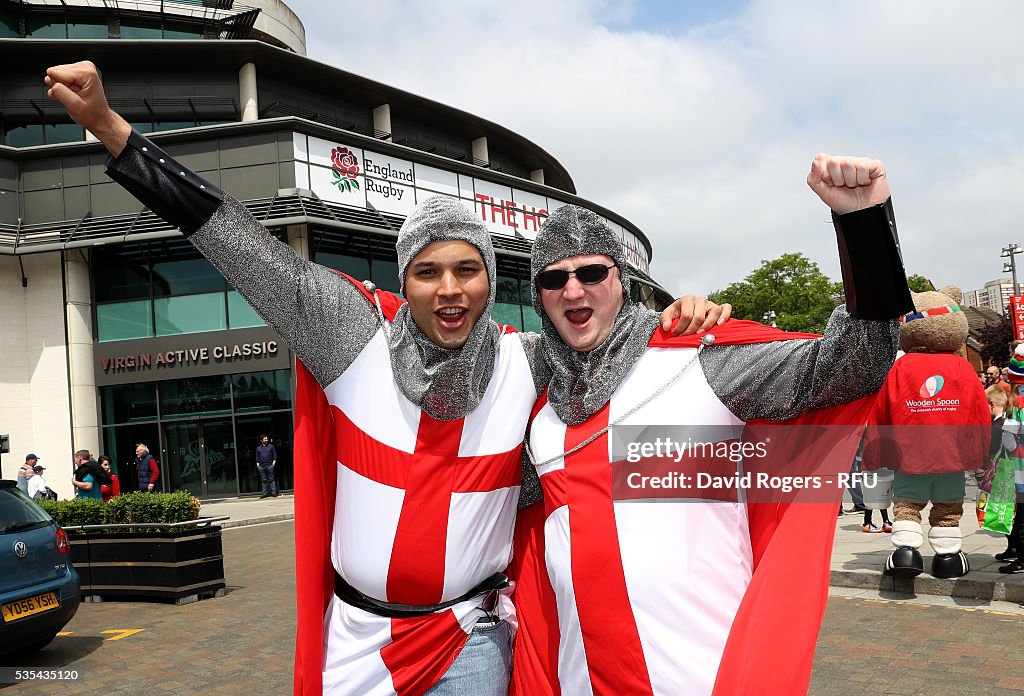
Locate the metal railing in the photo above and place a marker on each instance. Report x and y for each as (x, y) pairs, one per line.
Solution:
(199, 522)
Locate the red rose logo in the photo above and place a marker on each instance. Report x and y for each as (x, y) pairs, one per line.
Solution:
(345, 167)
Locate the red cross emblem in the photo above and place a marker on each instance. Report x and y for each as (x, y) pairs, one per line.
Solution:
(429, 476)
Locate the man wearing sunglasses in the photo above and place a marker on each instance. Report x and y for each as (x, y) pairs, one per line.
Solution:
(725, 596)
(409, 424)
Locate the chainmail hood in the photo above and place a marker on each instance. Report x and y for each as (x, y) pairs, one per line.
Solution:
(574, 231)
(582, 383)
(446, 383)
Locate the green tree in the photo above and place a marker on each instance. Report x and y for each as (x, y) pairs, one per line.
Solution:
(792, 286)
(918, 283)
(995, 338)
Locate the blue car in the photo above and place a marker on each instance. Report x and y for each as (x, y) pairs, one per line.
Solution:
(39, 590)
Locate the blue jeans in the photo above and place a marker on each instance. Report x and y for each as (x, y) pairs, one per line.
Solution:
(482, 668)
(268, 484)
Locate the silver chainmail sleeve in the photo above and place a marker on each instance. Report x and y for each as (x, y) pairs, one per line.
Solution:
(325, 319)
(783, 379)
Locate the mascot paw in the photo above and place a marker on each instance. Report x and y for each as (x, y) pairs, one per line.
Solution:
(950, 565)
(904, 562)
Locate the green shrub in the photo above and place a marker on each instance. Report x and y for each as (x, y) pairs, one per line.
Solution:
(75, 512)
(130, 508)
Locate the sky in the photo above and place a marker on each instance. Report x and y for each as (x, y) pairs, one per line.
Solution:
(698, 121)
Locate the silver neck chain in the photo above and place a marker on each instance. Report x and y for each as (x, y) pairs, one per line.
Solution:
(706, 340)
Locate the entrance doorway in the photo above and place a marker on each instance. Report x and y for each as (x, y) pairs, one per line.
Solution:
(200, 457)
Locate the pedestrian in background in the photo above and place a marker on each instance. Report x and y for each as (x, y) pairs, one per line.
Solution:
(25, 471)
(37, 488)
(266, 458)
(114, 488)
(88, 476)
(994, 377)
(146, 465)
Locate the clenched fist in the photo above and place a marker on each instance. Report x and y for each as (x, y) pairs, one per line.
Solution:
(847, 184)
(78, 87)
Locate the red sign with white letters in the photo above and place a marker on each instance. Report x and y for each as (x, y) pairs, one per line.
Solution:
(1017, 316)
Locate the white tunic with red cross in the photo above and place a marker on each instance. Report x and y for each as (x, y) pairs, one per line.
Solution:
(646, 593)
(424, 512)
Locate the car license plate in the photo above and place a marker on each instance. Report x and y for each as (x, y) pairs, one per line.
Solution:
(12, 611)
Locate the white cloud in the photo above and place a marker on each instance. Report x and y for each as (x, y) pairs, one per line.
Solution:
(703, 139)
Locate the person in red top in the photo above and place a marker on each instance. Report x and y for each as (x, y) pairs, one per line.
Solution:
(994, 376)
(114, 489)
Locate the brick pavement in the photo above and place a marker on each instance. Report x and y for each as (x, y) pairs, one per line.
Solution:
(241, 643)
(884, 646)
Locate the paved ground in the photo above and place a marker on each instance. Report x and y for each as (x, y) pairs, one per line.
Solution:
(929, 646)
(241, 643)
(872, 642)
(251, 510)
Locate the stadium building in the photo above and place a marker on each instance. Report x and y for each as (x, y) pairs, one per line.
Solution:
(113, 329)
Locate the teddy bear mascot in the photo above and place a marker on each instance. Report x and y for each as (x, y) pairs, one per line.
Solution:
(930, 425)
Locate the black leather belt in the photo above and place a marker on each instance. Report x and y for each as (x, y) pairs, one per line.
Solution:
(393, 610)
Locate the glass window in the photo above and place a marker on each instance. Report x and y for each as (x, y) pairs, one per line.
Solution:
(8, 26)
(190, 314)
(508, 314)
(173, 125)
(525, 296)
(197, 396)
(119, 277)
(355, 266)
(25, 135)
(138, 29)
(531, 322)
(87, 28)
(240, 313)
(262, 391)
(18, 514)
(63, 133)
(124, 403)
(248, 429)
(120, 444)
(45, 28)
(507, 290)
(182, 32)
(142, 126)
(117, 321)
(384, 274)
(184, 276)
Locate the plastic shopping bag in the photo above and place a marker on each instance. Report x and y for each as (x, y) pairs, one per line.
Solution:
(999, 508)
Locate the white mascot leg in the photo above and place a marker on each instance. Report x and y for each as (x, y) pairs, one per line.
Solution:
(949, 561)
(905, 561)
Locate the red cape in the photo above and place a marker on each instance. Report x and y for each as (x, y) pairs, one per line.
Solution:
(770, 649)
(316, 478)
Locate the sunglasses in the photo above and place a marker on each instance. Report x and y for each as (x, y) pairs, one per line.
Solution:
(556, 278)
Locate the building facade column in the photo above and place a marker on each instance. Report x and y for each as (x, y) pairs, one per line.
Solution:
(85, 421)
(298, 239)
(247, 96)
(480, 155)
(382, 122)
